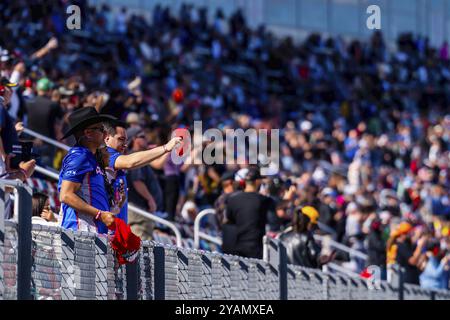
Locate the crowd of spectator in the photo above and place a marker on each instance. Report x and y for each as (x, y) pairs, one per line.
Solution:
(364, 131)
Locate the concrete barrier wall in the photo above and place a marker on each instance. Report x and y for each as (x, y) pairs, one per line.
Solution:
(79, 265)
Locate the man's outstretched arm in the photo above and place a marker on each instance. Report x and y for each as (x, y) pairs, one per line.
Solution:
(142, 158)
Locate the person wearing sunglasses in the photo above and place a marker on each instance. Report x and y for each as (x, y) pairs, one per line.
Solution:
(84, 192)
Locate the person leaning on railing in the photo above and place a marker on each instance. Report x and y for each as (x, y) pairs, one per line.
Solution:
(41, 212)
(301, 247)
(84, 192)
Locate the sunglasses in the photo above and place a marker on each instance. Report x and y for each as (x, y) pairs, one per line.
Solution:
(101, 129)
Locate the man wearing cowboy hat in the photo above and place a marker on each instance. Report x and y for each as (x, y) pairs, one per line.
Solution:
(85, 202)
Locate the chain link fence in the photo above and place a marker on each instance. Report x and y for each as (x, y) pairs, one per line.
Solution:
(70, 265)
(44, 262)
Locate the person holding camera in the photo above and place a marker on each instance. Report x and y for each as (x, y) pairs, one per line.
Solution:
(9, 169)
(8, 136)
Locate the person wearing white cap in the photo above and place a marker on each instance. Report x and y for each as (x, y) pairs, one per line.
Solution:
(239, 177)
(132, 119)
(305, 126)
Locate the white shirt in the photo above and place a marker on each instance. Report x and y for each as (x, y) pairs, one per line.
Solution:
(42, 221)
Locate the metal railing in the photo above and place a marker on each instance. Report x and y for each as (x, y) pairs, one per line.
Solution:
(46, 139)
(326, 228)
(199, 234)
(337, 268)
(332, 243)
(159, 220)
(339, 246)
(53, 175)
(23, 212)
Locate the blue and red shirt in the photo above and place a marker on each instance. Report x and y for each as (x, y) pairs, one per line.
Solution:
(80, 166)
(121, 175)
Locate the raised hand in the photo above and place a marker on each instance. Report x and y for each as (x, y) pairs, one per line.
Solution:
(174, 142)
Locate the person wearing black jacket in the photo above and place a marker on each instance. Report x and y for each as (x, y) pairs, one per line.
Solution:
(301, 247)
(246, 212)
(377, 247)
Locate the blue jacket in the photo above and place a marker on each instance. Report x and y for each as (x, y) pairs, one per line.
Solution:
(434, 276)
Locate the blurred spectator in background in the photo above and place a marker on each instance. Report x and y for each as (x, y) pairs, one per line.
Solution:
(327, 207)
(435, 267)
(408, 253)
(301, 247)
(43, 117)
(376, 247)
(41, 211)
(246, 214)
(189, 210)
(7, 128)
(169, 175)
(144, 189)
(226, 180)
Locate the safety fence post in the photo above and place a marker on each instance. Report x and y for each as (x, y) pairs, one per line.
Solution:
(132, 279)
(401, 284)
(275, 253)
(23, 203)
(2, 239)
(159, 273)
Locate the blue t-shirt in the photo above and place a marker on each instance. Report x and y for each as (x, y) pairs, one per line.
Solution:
(80, 166)
(120, 175)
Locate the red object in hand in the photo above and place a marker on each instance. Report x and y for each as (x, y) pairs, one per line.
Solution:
(184, 134)
(178, 95)
(365, 274)
(125, 243)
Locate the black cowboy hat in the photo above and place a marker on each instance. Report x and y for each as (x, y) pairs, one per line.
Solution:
(83, 117)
